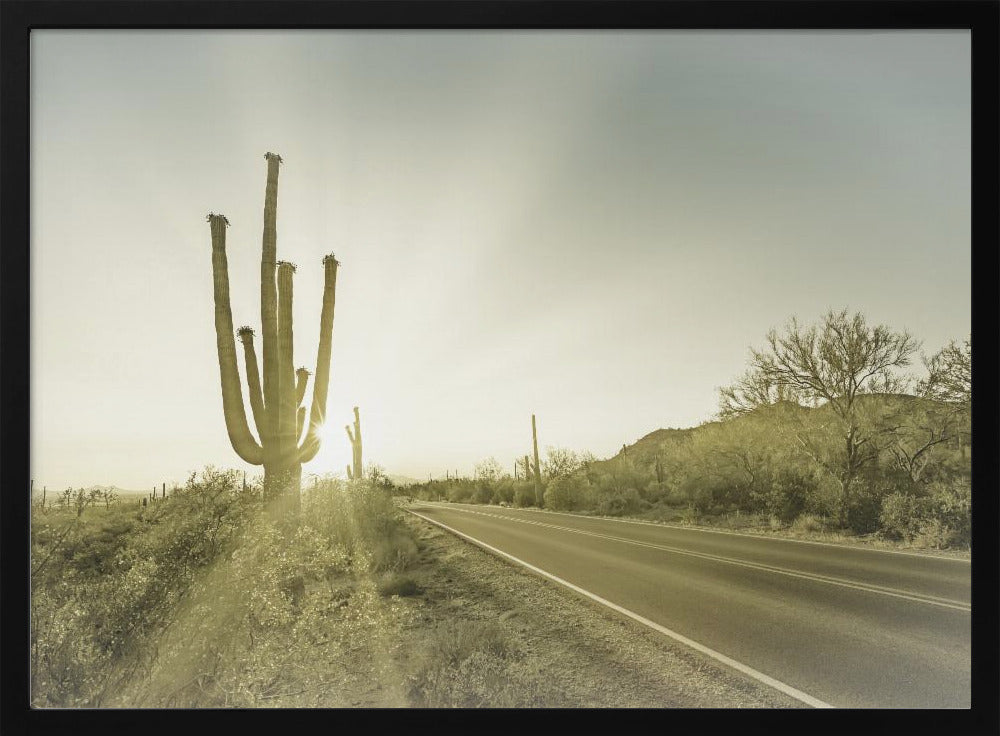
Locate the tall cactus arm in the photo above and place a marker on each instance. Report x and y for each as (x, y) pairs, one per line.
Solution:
(269, 303)
(534, 445)
(286, 369)
(353, 437)
(302, 376)
(358, 468)
(310, 445)
(232, 396)
(300, 392)
(253, 383)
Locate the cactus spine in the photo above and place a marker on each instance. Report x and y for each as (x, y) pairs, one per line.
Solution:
(276, 402)
(357, 472)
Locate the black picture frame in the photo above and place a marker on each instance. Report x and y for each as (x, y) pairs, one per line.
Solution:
(18, 18)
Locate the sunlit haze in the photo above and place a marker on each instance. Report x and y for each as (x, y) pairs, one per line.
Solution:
(593, 227)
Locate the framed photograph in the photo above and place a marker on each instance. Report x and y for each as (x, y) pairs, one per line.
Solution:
(535, 360)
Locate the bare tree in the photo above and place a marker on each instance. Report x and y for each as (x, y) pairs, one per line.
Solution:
(489, 470)
(949, 381)
(950, 374)
(561, 463)
(752, 390)
(834, 363)
(916, 429)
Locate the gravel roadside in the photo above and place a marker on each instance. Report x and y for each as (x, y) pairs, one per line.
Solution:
(557, 648)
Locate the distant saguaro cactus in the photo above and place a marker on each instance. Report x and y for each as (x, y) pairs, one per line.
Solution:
(357, 471)
(538, 471)
(278, 417)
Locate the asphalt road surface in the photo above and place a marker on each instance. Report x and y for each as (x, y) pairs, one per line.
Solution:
(831, 625)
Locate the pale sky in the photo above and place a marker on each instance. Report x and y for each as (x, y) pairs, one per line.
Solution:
(590, 226)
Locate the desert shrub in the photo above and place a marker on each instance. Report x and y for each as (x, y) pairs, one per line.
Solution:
(901, 515)
(567, 493)
(809, 523)
(359, 516)
(99, 610)
(468, 664)
(789, 493)
(676, 497)
(268, 624)
(559, 495)
(689, 515)
(92, 609)
(655, 492)
(393, 551)
(482, 492)
(460, 491)
(824, 499)
(864, 506)
(941, 519)
(618, 502)
(951, 504)
(701, 491)
(503, 490)
(524, 494)
(432, 491)
(934, 534)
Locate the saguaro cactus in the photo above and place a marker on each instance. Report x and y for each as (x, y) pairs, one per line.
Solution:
(356, 468)
(278, 415)
(538, 470)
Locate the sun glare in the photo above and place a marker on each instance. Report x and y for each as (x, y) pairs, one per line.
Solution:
(334, 452)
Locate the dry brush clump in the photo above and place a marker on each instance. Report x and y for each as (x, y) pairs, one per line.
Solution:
(104, 587)
(473, 664)
(205, 600)
(303, 626)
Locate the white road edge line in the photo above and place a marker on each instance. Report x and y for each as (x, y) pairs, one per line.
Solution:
(814, 577)
(729, 662)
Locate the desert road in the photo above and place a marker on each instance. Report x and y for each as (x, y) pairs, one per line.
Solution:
(829, 625)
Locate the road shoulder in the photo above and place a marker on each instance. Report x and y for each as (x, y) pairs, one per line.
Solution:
(560, 649)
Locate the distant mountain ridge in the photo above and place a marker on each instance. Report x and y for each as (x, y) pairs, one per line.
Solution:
(644, 450)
